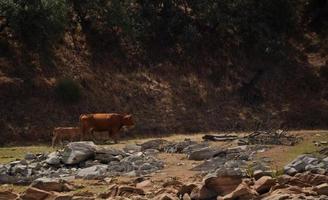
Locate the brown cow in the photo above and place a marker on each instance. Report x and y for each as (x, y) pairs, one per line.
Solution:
(65, 133)
(111, 122)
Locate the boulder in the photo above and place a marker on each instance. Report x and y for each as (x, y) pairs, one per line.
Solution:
(203, 154)
(35, 194)
(221, 183)
(77, 152)
(242, 192)
(321, 189)
(264, 184)
(311, 179)
(52, 184)
(93, 172)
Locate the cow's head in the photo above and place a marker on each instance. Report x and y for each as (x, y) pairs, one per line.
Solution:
(128, 120)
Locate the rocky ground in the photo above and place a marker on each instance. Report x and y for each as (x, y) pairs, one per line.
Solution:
(165, 169)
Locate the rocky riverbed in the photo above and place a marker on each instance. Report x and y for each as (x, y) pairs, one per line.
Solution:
(233, 172)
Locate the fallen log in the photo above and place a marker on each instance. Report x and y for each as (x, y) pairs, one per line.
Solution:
(220, 137)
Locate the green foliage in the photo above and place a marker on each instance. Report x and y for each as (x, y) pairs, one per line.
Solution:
(38, 24)
(68, 91)
(145, 27)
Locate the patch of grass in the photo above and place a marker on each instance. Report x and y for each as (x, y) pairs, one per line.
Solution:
(15, 188)
(282, 155)
(8, 154)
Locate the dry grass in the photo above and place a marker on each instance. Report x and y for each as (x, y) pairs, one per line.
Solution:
(282, 155)
(8, 154)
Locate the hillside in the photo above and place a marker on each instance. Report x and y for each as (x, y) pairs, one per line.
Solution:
(219, 80)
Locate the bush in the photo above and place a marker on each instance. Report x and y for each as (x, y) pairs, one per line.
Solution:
(68, 91)
(37, 24)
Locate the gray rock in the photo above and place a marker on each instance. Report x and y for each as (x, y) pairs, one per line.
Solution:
(145, 166)
(290, 170)
(77, 152)
(158, 144)
(131, 173)
(210, 165)
(96, 171)
(325, 160)
(179, 146)
(23, 162)
(223, 171)
(53, 158)
(106, 158)
(90, 163)
(299, 165)
(195, 147)
(203, 154)
(30, 156)
(3, 169)
(132, 148)
(151, 151)
(311, 160)
(19, 169)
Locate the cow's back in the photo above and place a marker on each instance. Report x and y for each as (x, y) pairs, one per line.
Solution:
(104, 121)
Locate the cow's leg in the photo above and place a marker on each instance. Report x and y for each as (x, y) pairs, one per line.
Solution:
(54, 138)
(92, 134)
(115, 134)
(61, 140)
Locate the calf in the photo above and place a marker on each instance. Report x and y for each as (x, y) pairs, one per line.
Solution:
(65, 133)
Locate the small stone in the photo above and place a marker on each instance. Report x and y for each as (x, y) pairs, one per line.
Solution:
(30, 156)
(290, 171)
(96, 171)
(53, 158)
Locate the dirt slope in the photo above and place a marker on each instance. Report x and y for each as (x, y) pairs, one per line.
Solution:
(240, 93)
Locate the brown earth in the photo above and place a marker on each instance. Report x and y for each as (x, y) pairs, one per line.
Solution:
(164, 98)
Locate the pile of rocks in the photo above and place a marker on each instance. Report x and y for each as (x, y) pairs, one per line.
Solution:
(79, 159)
(309, 163)
(231, 185)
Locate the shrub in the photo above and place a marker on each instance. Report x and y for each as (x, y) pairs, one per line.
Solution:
(68, 91)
